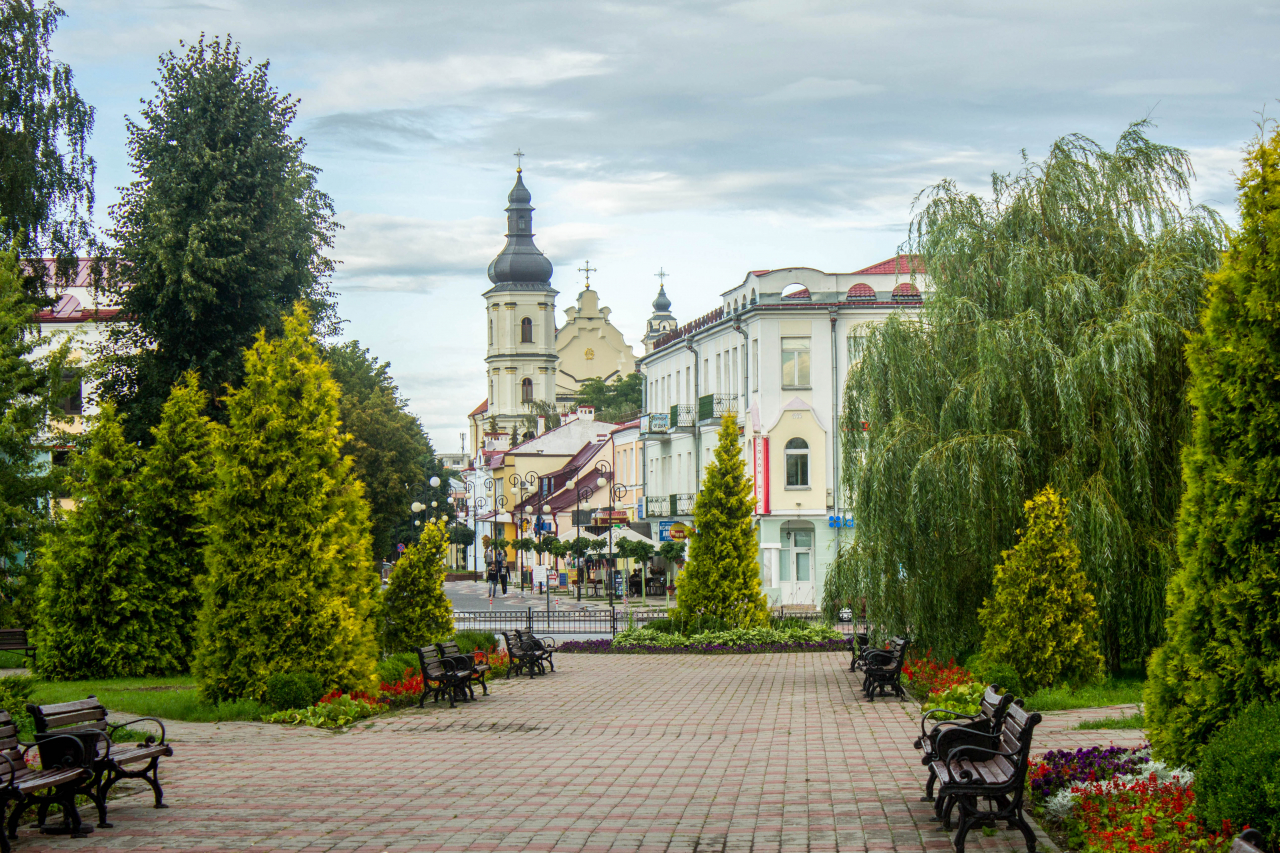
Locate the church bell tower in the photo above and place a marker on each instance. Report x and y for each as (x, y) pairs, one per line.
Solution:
(521, 307)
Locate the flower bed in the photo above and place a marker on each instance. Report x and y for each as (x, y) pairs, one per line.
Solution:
(930, 676)
(641, 641)
(1117, 800)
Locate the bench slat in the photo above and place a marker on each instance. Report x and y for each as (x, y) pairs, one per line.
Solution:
(66, 707)
(92, 714)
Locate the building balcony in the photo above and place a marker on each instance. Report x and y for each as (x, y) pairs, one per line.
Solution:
(666, 506)
(712, 407)
(681, 416)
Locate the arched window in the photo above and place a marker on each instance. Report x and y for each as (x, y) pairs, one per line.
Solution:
(797, 455)
(526, 331)
(491, 332)
(526, 391)
(795, 290)
(753, 296)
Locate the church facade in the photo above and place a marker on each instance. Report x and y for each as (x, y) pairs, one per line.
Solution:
(531, 365)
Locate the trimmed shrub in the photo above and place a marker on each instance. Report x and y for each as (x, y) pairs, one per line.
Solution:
(417, 611)
(662, 626)
(289, 690)
(996, 672)
(1238, 778)
(469, 641)
(392, 669)
(15, 692)
(1224, 623)
(289, 584)
(97, 603)
(722, 576)
(1040, 618)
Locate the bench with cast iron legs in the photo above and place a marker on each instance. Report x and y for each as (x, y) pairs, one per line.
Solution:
(476, 671)
(544, 647)
(523, 657)
(441, 676)
(68, 769)
(882, 669)
(978, 729)
(996, 776)
(858, 648)
(111, 762)
(15, 640)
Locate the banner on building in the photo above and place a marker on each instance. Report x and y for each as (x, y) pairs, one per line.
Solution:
(673, 531)
(760, 473)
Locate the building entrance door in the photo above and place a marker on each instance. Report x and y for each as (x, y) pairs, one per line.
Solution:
(796, 577)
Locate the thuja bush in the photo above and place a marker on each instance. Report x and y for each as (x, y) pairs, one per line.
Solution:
(1224, 622)
(289, 584)
(415, 607)
(1041, 618)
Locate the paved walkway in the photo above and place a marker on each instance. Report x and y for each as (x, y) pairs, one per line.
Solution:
(612, 753)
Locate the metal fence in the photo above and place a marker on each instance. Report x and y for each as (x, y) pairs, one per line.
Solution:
(597, 622)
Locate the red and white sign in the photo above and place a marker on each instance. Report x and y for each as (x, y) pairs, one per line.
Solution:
(761, 474)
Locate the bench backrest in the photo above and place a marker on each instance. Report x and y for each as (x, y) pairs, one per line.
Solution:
(13, 638)
(898, 646)
(429, 659)
(451, 650)
(82, 715)
(1249, 841)
(995, 705)
(1015, 739)
(9, 748)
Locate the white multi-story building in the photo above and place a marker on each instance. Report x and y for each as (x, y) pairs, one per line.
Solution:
(774, 355)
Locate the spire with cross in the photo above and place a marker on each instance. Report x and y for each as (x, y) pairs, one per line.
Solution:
(586, 269)
(661, 276)
(519, 155)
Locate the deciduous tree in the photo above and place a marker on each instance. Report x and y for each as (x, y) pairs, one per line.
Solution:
(1223, 650)
(1049, 351)
(221, 232)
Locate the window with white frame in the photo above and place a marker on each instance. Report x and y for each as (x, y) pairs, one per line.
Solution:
(795, 362)
(797, 460)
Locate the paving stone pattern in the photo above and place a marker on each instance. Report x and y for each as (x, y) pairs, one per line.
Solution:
(611, 753)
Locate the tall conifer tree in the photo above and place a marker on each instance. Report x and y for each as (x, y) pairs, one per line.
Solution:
(176, 471)
(289, 584)
(722, 575)
(98, 602)
(223, 230)
(1224, 627)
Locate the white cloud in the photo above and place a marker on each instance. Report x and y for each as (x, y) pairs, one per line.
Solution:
(822, 89)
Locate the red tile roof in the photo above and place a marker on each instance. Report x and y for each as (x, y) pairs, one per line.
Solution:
(480, 409)
(900, 265)
(861, 290)
(761, 272)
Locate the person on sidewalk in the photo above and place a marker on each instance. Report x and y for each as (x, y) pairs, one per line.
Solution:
(491, 575)
(503, 575)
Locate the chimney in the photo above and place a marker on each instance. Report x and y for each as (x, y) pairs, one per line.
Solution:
(542, 425)
(586, 413)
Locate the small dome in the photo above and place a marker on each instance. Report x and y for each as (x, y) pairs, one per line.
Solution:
(662, 304)
(860, 292)
(520, 261)
(519, 193)
(906, 291)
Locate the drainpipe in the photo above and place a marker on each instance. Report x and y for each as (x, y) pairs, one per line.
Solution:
(697, 427)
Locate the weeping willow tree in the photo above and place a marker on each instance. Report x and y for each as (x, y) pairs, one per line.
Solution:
(1049, 353)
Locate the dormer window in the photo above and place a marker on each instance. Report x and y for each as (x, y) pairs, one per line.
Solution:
(520, 224)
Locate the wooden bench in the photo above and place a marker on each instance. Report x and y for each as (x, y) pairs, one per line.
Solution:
(111, 762)
(543, 647)
(523, 657)
(440, 676)
(15, 640)
(995, 773)
(21, 785)
(858, 648)
(468, 662)
(882, 669)
(979, 729)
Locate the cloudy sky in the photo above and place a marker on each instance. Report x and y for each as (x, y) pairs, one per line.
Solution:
(706, 138)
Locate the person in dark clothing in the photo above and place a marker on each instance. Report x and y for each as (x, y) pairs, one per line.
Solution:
(503, 574)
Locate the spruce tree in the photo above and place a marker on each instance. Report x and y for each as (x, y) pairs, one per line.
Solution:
(722, 576)
(1224, 600)
(97, 604)
(416, 610)
(175, 473)
(1041, 618)
(222, 231)
(289, 585)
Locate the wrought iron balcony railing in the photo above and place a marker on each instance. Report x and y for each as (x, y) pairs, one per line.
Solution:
(714, 406)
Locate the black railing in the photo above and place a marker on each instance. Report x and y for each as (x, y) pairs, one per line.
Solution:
(602, 621)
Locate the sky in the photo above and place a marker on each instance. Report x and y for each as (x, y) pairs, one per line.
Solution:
(707, 139)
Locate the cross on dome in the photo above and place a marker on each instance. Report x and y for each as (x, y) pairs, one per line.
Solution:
(586, 269)
(519, 155)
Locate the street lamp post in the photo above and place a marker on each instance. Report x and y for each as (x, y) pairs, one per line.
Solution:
(546, 510)
(603, 468)
(523, 487)
(584, 492)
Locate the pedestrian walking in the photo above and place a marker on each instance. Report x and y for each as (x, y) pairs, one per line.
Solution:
(503, 575)
(491, 575)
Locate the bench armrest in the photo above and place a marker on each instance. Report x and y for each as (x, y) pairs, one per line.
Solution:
(871, 655)
(13, 771)
(79, 744)
(927, 714)
(150, 738)
(549, 642)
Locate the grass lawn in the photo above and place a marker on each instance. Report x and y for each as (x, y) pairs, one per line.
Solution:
(1137, 721)
(170, 698)
(1117, 690)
